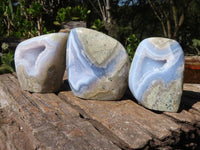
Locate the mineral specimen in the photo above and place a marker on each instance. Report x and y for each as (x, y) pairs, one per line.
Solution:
(156, 74)
(97, 65)
(40, 62)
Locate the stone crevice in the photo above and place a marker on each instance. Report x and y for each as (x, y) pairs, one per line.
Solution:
(99, 127)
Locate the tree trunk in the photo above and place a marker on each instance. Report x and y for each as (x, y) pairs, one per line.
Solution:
(164, 30)
(164, 18)
(169, 29)
(108, 15)
(178, 26)
(105, 11)
(39, 24)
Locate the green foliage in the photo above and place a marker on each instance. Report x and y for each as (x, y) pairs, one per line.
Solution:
(6, 59)
(97, 25)
(196, 43)
(196, 46)
(31, 20)
(23, 20)
(4, 47)
(11, 9)
(80, 13)
(6, 16)
(124, 33)
(77, 13)
(132, 43)
(63, 14)
(7, 63)
(35, 10)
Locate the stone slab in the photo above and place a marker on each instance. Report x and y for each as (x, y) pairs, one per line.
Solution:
(63, 121)
(131, 122)
(43, 121)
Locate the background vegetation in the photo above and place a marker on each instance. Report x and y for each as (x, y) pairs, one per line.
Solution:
(129, 21)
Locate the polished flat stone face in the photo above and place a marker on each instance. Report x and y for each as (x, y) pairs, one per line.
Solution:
(40, 62)
(156, 74)
(97, 65)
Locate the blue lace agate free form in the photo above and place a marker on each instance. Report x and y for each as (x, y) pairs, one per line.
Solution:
(156, 74)
(97, 65)
(40, 62)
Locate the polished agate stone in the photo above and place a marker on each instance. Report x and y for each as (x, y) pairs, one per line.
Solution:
(40, 62)
(156, 74)
(97, 65)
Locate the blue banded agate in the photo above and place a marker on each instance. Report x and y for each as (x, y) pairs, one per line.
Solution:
(97, 65)
(156, 74)
(40, 62)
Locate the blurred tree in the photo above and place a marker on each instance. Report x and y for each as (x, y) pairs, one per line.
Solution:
(171, 15)
(103, 8)
(118, 18)
(7, 13)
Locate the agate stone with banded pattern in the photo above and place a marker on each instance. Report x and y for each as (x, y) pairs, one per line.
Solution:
(97, 65)
(156, 74)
